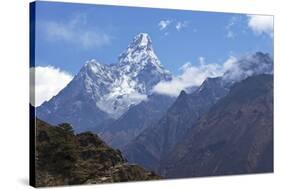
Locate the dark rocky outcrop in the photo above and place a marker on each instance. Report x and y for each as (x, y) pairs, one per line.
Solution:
(63, 158)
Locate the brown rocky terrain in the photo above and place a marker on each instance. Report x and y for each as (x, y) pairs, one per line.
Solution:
(63, 158)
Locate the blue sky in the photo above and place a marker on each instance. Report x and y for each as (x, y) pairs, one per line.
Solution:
(67, 35)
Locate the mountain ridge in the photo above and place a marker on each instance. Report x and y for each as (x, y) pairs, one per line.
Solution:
(234, 137)
(107, 91)
(158, 140)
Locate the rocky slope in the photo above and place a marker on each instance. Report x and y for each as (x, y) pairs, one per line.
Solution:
(122, 131)
(234, 137)
(157, 141)
(63, 158)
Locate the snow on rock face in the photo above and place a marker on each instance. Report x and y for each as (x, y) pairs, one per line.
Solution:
(140, 52)
(118, 86)
(100, 91)
(143, 40)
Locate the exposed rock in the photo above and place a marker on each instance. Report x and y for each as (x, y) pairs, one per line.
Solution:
(63, 158)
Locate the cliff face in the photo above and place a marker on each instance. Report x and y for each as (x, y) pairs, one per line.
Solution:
(63, 158)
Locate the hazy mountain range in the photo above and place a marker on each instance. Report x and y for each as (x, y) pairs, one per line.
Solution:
(234, 137)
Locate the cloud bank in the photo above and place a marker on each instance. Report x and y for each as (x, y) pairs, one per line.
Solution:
(48, 82)
(232, 70)
(258, 63)
(261, 24)
(192, 75)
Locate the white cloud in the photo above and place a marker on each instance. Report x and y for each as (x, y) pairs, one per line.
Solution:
(261, 24)
(178, 25)
(253, 64)
(75, 31)
(229, 63)
(181, 25)
(48, 82)
(163, 24)
(201, 60)
(230, 34)
(192, 75)
(231, 70)
(229, 27)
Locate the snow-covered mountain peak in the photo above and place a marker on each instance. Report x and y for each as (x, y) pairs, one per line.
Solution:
(94, 66)
(92, 62)
(140, 51)
(142, 40)
(114, 88)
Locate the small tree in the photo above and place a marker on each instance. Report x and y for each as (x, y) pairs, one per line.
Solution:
(67, 128)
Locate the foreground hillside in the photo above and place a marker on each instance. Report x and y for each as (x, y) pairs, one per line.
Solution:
(63, 158)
